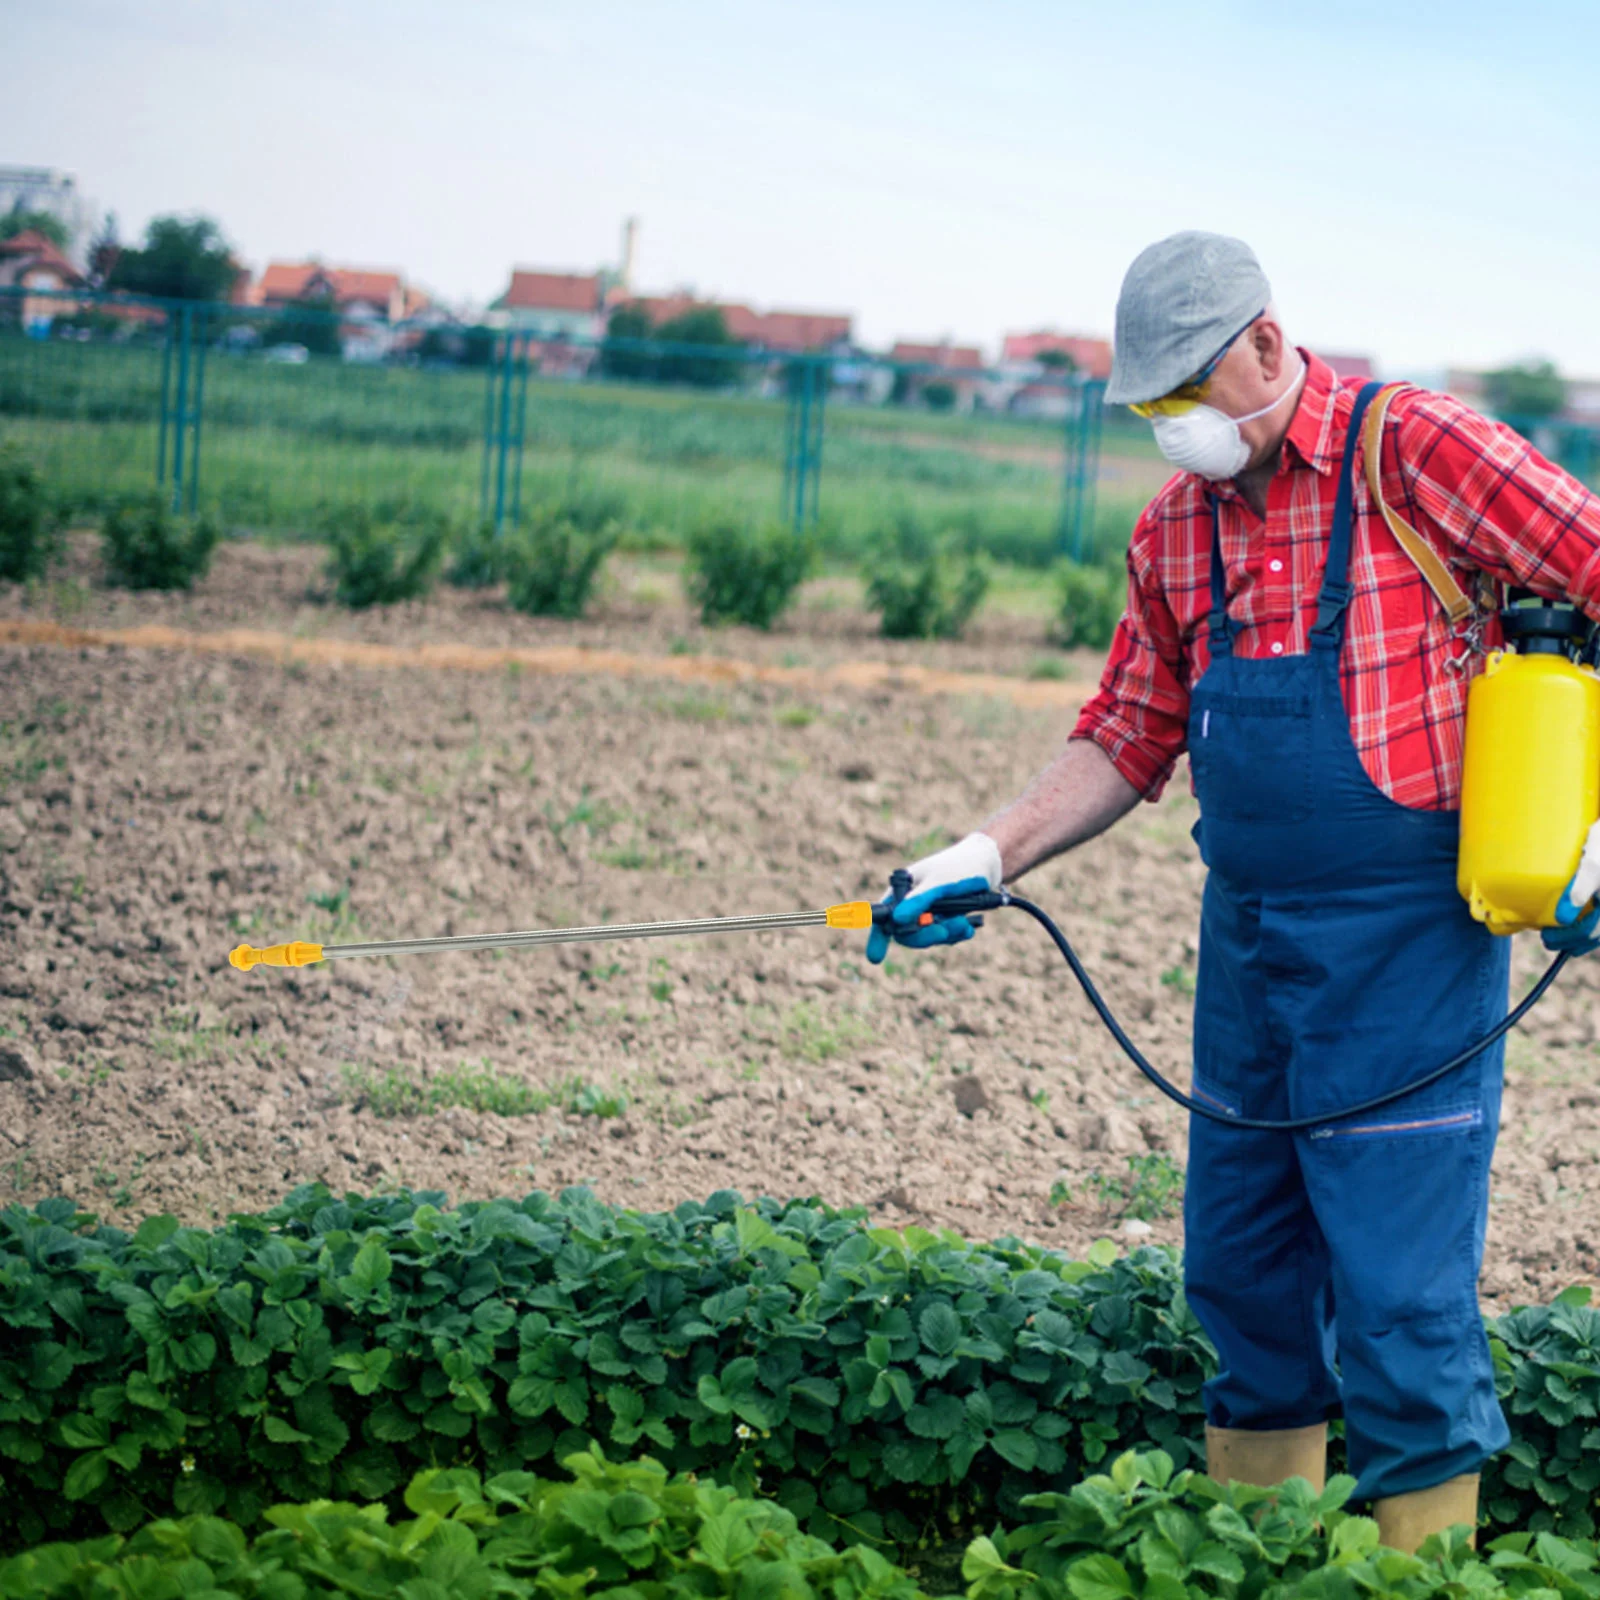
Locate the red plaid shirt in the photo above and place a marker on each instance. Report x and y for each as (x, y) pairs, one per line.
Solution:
(1479, 493)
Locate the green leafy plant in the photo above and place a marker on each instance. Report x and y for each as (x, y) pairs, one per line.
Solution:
(881, 1381)
(551, 564)
(145, 545)
(735, 572)
(611, 1529)
(382, 556)
(477, 557)
(28, 532)
(1152, 1189)
(922, 586)
(1089, 602)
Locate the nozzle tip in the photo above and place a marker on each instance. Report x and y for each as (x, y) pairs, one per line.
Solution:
(297, 954)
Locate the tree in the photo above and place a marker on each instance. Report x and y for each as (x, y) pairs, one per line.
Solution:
(20, 220)
(180, 260)
(312, 321)
(1057, 360)
(705, 327)
(628, 324)
(1531, 389)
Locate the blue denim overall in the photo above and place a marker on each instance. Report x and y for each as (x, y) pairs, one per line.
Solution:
(1336, 1270)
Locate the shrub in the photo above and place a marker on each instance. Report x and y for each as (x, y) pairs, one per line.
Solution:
(27, 522)
(477, 557)
(377, 560)
(929, 597)
(920, 584)
(551, 564)
(1089, 602)
(739, 573)
(615, 1530)
(145, 545)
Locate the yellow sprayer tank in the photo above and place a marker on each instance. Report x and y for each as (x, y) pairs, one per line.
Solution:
(1530, 780)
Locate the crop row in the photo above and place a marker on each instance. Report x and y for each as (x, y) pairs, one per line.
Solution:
(618, 1530)
(876, 1381)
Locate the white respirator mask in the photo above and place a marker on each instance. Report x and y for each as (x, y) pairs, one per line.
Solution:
(1206, 441)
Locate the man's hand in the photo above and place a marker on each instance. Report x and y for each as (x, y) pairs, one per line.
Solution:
(965, 868)
(1579, 930)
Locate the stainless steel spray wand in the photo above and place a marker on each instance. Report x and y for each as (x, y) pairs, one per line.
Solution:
(859, 915)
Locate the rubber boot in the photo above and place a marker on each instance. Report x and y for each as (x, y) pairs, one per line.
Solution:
(1405, 1520)
(1266, 1457)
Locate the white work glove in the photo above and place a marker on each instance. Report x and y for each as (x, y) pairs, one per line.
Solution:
(1575, 933)
(968, 867)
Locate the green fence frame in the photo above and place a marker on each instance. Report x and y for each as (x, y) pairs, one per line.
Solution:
(191, 327)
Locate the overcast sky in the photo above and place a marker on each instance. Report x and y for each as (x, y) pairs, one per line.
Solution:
(1420, 179)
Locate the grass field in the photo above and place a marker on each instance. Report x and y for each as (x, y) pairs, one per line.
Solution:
(280, 442)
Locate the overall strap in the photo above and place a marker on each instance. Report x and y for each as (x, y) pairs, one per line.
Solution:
(1219, 630)
(1328, 634)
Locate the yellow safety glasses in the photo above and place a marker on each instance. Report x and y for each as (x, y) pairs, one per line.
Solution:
(1187, 395)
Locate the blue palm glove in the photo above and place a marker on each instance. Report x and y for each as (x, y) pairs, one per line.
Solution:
(1577, 912)
(969, 867)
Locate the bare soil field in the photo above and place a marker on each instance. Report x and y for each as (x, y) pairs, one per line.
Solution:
(158, 807)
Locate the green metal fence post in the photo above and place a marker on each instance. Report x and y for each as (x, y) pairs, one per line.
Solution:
(181, 412)
(166, 391)
(502, 444)
(521, 431)
(1082, 469)
(199, 412)
(492, 367)
(802, 446)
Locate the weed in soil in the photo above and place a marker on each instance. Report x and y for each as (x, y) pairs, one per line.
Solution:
(395, 1092)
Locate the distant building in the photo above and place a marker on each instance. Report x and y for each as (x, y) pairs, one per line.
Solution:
(953, 361)
(1345, 366)
(55, 193)
(356, 290)
(782, 332)
(1091, 357)
(370, 303)
(29, 261)
(554, 305)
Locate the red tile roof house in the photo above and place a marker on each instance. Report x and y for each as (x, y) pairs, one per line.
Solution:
(1023, 387)
(911, 386)
(556, 308)
(369, 303)
(30, 261)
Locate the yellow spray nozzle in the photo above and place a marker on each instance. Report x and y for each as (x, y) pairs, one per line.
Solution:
(299, 953)
(856, 915)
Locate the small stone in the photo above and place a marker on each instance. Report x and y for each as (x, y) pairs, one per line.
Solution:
(15, 1067)
(1136, 1228)
(970, 1095)
(266, 1112)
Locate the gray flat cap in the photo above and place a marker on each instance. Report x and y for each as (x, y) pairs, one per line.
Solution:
(1182, 300)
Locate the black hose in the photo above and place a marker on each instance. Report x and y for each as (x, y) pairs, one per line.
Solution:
(1262, 1124)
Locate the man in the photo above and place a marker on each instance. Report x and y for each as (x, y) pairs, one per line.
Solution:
(1278, 631)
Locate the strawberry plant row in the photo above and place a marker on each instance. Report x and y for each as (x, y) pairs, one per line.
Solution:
(628, 1531)
(876, 1381)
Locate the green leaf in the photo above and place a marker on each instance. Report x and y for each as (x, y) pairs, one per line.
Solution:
(982, 1560)
(281, 1432)
(86, 1474)
(1017, 1447)
(939, 1328)
(81, 1432)
(937, 1417)
(1099, 1577)
(142, 1391)
(371, 1268)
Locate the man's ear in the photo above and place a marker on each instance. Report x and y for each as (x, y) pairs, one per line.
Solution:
(1269, 346)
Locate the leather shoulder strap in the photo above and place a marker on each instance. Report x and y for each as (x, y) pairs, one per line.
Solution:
(1426, 559)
